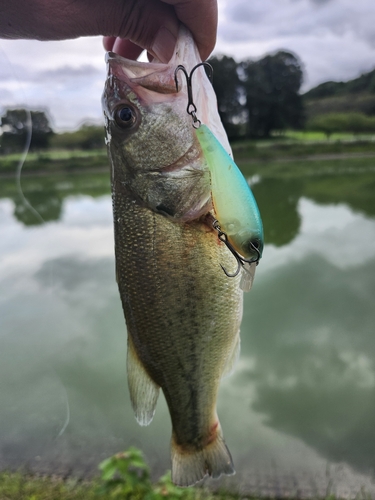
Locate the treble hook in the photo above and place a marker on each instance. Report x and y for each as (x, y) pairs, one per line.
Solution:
(191, 107)
(240, 260)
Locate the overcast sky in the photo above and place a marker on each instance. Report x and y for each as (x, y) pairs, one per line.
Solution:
(335, 40)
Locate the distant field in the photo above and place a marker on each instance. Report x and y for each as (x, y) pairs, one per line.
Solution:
(56, 160)
(288, 147)
(321, 137)
(58, 154)
(310, 168)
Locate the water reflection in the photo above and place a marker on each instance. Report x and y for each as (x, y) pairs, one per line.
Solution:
(303, 394)
(46, 194)
(278, 200)
(356, 191)
(277, 197)
(313, 357)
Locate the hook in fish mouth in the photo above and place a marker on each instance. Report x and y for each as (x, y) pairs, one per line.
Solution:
(191, 108)
(241, 261)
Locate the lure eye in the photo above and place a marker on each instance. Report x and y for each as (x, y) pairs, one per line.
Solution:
(255, 245)
(125, 116)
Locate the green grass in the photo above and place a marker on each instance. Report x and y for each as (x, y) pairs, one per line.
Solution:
(281, 150)
(58, 154)
(18, 486)
(124, 476)
(245, 152)
(302, 168)
(292, 145)
(55, 160)
(321, 137)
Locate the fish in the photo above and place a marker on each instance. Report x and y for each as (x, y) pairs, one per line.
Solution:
(183, 314)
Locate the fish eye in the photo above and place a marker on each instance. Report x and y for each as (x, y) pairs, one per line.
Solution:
(125, 116)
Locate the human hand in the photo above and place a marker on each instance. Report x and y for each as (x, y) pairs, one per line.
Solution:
(157, 29)
(129, 26)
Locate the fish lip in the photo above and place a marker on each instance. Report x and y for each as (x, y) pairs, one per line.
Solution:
(157, 77)
(149, 67)
(122, 67)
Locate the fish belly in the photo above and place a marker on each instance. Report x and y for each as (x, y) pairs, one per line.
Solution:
(183, 317)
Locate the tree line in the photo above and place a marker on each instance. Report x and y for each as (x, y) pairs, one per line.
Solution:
(256, 98)
(16, 125)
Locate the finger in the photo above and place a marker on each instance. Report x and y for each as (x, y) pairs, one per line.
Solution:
(126, 48)
(200, 16)
(108, 42)
(150, 24)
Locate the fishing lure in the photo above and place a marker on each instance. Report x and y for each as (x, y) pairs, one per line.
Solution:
(238, 221)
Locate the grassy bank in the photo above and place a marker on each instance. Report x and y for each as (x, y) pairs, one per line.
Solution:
(314, 166)
(52, 161)
(280, 150)
(124, 476)
(292, 145)
(17, 486)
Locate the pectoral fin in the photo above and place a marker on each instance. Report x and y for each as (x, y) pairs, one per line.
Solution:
(143, 390)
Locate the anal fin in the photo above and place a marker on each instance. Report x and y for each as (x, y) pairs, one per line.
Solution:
(143, 390)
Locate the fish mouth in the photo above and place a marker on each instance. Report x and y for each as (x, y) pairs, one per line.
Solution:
(156, 77)
(154, 82)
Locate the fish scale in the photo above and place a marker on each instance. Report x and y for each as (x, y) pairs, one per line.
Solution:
(182, 312)
(180, 331)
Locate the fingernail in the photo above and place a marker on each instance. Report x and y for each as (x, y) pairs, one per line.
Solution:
(164, 45)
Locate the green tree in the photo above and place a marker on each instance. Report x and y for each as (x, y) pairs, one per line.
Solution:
(272, 87)
(87, 137)
(16, 125)
(330, 123)
(229, 93)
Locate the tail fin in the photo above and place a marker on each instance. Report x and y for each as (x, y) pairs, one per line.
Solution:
(190, 466)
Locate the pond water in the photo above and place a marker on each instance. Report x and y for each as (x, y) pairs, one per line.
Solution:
(298, 414)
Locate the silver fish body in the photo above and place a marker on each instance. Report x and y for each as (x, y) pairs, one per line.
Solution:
(182, 313)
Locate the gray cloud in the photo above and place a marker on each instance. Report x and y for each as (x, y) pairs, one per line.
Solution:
(267, 19)
(72, 94)
(64, 73)
(249, 13)
(66, 77)
(5, 95)
(335, 39)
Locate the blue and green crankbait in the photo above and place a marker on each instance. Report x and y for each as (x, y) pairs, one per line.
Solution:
(234, 203)
(237, 218)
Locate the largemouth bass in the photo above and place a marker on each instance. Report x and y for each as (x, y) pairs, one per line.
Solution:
(182, 312)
